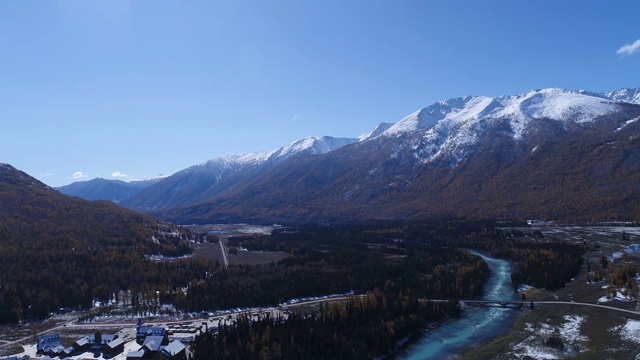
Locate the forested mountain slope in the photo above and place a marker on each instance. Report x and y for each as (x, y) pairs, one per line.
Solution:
(61, 251)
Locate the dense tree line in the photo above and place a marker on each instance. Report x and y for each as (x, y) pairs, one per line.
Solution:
(32, 285)
(360, 328)
(548, 264)
(324, 264)
(42, 271)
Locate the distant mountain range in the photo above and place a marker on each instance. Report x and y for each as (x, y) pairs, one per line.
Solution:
(549, 153)
(104, 189)
(214, 177)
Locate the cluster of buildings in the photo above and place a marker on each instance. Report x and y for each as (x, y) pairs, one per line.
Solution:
(154, 344)
(109, 345)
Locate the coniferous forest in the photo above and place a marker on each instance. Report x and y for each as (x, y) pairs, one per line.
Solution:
(401, 266)
(361, 328)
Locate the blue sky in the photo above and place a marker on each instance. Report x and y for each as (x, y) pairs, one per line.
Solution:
(140, 88)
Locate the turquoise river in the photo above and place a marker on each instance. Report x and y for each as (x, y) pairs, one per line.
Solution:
(475, 326)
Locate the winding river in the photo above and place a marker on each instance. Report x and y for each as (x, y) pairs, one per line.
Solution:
(450, 339)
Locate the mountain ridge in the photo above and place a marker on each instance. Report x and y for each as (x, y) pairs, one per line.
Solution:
(200, 182)
(475, 142)
(113, 190)
(460, 141)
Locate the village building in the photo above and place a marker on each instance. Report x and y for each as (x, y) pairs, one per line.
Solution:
(48, 342)
(113, 348)
(175, 350)
(143, 331)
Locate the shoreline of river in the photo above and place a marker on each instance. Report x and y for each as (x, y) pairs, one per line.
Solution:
(455, 339)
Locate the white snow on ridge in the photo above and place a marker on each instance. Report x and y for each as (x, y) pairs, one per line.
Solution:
(254, 157)
(451, 126)
(157, 177)
(558, 104)
(382, 127)
(555, 104)
(625, 95)
(628, 122)
(310, 145)
(431, 115)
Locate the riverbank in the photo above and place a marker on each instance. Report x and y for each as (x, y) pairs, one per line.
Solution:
(476, 325)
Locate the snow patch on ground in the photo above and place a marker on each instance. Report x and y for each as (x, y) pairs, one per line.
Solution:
(534, 352)
(522, 288)
(569, 332)
(623, 294)
(629, 331)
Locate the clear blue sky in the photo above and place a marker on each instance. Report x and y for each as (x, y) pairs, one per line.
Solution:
(151, 87)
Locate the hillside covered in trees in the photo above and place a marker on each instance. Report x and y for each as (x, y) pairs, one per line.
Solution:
(60, 251)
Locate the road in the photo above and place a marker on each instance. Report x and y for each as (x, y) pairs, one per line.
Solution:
(31, 337)
(586, 304)
(537, 303)
(223, 247)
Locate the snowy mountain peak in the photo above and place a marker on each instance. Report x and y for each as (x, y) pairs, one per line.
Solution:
(557, 104)
(625, 95)
(430, 115)
(382, 127)
(254, 157)
(552, 103)
(309, 145)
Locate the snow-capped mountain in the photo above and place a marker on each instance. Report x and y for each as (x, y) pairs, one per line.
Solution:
(543, 153)
(625, 95)
(215, 176)
(382, 127)
(309, 146)
(455, 124)
(553, 103)
(467, 113)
